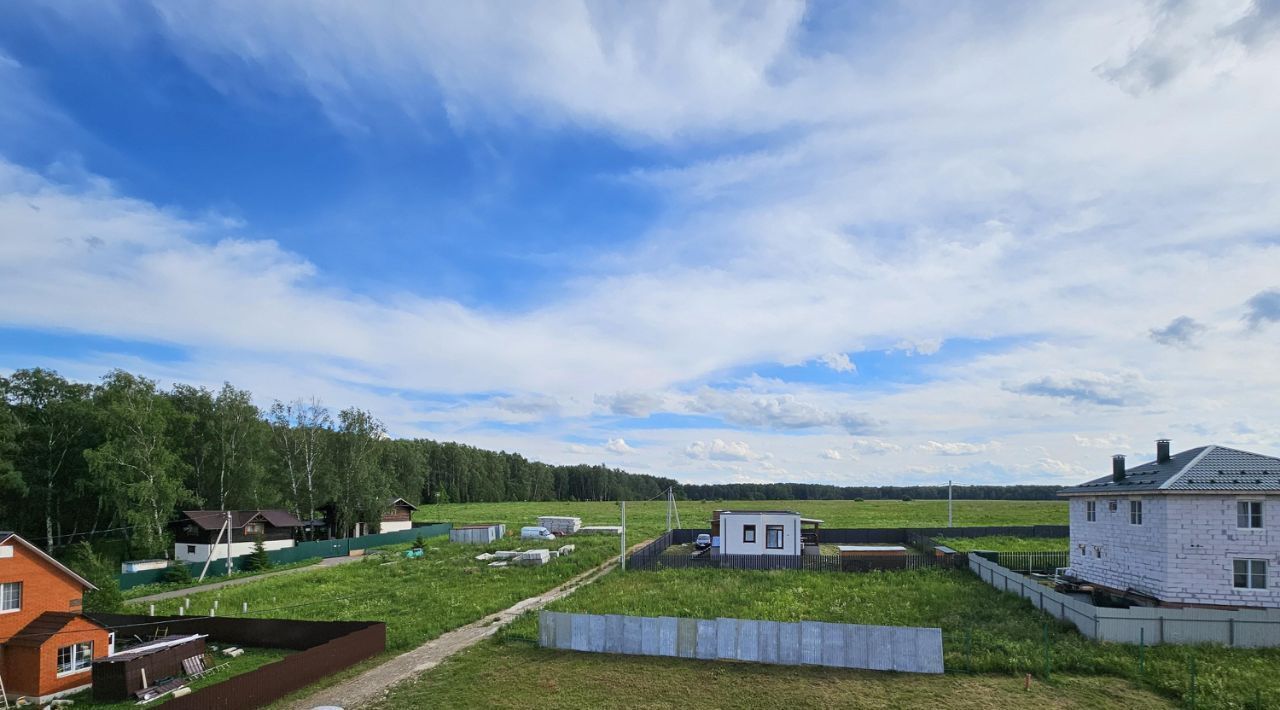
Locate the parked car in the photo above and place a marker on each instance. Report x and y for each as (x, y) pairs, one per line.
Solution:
(702, 542)
(535, 532)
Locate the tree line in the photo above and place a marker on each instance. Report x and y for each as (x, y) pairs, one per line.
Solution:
(119, 458)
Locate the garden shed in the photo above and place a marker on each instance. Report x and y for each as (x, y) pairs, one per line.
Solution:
(477, 534)
(117, 677)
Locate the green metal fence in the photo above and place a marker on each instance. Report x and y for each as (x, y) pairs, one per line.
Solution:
(299, 552)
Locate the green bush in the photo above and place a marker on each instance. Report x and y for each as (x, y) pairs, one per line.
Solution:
(88, 564)
(177, 574)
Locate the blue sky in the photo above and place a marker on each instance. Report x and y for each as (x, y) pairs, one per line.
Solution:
(722, 242)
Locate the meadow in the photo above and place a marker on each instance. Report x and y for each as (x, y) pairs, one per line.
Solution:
(1006, 543)
(647, 519)
(984, 631)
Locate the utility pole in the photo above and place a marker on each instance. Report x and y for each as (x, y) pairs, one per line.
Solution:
(949, 521)
(622, 556)
(668, 508)
(229, 529)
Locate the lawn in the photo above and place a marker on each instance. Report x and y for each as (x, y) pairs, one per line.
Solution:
(144, 590)
(1006, 543)
(649, 519)
(1004, 632)
(418, 598)
(520, 675)
(252, 659)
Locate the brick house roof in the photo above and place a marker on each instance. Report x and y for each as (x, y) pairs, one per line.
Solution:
(1206, 469)
(44, 627)
(6, 537)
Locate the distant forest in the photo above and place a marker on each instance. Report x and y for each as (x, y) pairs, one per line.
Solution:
(120, 457)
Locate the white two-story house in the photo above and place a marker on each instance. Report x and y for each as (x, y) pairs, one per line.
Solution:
(1197, 528)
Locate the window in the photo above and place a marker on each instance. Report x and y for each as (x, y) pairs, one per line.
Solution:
(1091, 510)
(773, 537)
(1097, 551)
(191, 549)
(1111, 506)
(75, 658)
(749, 533)
(253, 529)
(1249, 514)
(1082, 552)
(1250, 574)
(1135, 512)
(10, 596)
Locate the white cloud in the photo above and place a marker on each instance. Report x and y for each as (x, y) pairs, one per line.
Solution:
(839, 362)
(778, 411)
(1115, 442)
(875, 446)
(832, 454)
(958, 448)
(630, 404)
(719, 450)
(618, 446)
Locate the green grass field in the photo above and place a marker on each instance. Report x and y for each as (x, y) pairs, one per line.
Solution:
(518, 675)
(1005, 633)
(1006, 543)
(649, 519)
(419, 599)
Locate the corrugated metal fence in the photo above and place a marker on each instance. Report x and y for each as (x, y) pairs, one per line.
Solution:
(1243, 628)
(299, 552)
(889, 648)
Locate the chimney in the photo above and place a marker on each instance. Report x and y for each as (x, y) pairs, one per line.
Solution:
(1162, 451)
(1117, 467)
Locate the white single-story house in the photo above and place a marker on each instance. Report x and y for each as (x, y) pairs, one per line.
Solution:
(1197, 528)
(196, 534)
(762, 532)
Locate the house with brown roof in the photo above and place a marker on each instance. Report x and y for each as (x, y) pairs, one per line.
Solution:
(201, 535)
(47, 646)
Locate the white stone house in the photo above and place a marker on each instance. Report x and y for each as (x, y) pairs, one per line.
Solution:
(1196, 528)
(761, 532)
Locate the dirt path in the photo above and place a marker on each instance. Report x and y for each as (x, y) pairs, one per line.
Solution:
(373, 684)
(187, 591)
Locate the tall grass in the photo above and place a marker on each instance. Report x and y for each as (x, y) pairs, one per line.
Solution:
(1006, 543)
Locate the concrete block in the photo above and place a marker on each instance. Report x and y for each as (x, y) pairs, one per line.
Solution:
(857, 638)
(880, 648)
(811, 643)
(768, 642)
(707, 645)
(687, 638)
(595, 633)
(631, 631)
(546, 629)
(564, 632)
(667, 629)
(613, 633)
(581, 629)
(748, 640)
(649, 635)
(833, 645)
(727, 638)
(789, 643)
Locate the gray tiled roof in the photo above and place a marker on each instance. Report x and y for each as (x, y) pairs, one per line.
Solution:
(1204, 468)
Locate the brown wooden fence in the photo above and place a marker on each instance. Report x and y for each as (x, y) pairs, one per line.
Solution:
(324, 648)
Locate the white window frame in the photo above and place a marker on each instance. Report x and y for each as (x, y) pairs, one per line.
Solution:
(80, 658)
(1249, 515)
(1250, 573)
(4, 594)
(1091, 511)
(1135, 512)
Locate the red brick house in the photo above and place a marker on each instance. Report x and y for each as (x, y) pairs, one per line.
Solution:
(46, 645)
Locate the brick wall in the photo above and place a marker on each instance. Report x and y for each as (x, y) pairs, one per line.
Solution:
(44, 588)
(1181, 553)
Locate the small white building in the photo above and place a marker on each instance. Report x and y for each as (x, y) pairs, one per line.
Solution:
(1196, 528)
(762, 532)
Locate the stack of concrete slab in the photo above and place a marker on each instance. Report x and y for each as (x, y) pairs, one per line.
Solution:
(560, 525)
(534, 557)
(600, 530)
(566, 550)
(507, 554)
